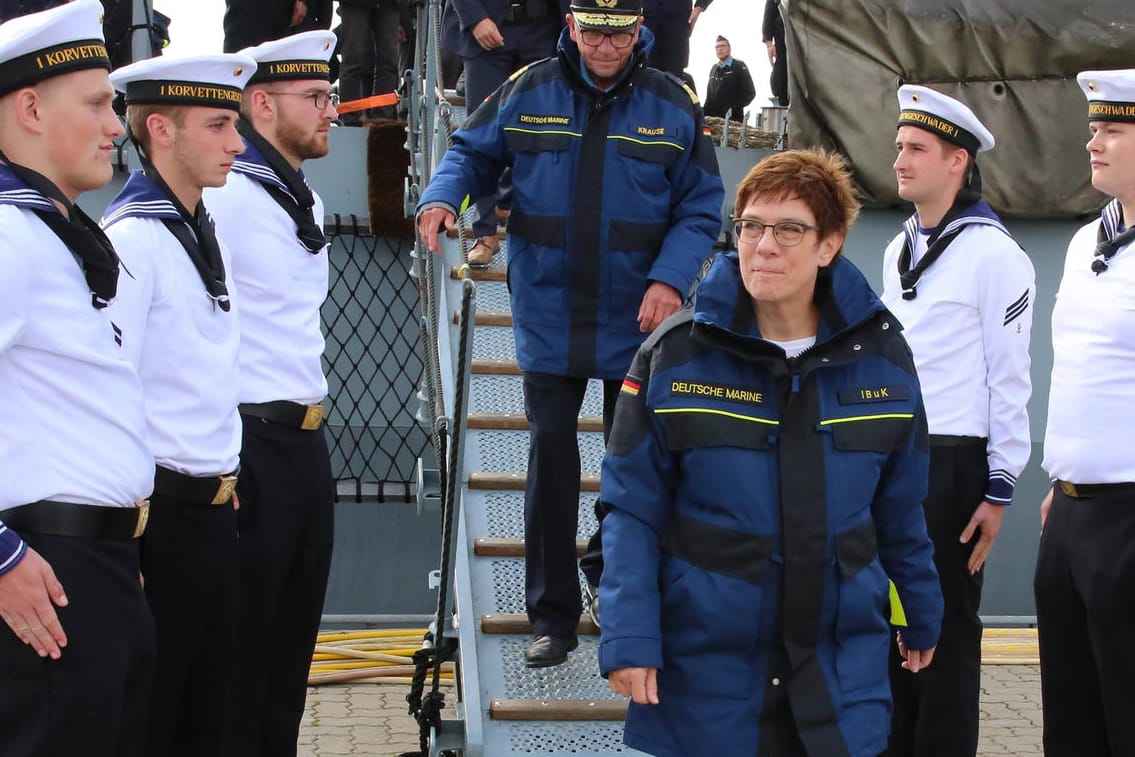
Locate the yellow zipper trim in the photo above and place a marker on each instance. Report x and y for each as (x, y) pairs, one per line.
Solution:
(711, 411)
(884, 416)
(675, 145)
(542, 131)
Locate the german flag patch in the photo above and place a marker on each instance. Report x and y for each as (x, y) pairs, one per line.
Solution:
(630, 387)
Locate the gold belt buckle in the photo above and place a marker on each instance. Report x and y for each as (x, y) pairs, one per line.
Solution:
(1069, 489)
(143, 506)
(225, 490)
(312, 418)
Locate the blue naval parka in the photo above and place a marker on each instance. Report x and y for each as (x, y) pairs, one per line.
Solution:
(610, 191)
(757, 505)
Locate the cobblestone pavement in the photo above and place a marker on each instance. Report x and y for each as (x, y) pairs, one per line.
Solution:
(371, 719)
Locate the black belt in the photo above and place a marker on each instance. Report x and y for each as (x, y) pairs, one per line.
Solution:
(949, 440)
(212, 490)
(86, 521)
(1080, 491)
(293, 414)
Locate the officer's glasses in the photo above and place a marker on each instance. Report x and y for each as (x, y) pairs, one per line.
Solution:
(618, 40)
(319, 99)
(786, 233)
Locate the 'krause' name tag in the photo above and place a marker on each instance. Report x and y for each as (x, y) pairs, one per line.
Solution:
(874, 394)
(726, 392)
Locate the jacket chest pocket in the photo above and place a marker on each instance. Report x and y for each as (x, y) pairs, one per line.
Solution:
(877, 432)
(649, 152)
(694, 428)
(531, 141)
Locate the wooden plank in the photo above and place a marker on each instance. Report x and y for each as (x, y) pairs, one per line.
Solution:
(493, 318)
(491, 547)
(487, 367)
(588, 482)
(558, 709)
(517, 422)
(517, 623)
(478, 274)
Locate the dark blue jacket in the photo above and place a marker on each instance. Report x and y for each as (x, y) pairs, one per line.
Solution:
(460, 16)
(611, 190)
(757, 506)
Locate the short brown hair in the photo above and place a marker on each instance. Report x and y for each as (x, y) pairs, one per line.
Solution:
(137, 115)
(817, 177)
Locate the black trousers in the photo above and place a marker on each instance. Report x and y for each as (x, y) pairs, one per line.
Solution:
(286, 527)
(92, 701)
(551, 500)
(936, 710)
(1085, 578)
(671, 29)
(189, 561)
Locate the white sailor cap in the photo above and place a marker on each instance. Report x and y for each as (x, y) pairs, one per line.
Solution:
(301, 56)
(1111, 94)
(215, 81)
(944, 116)
(51, 43)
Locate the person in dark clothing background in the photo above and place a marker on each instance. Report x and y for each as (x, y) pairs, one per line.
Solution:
(369, 34)
(671, 22)
(251, 22)
(730, 86)
(772, 32)
(10, 9)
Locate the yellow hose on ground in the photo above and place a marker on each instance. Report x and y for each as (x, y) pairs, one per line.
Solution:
(374, 656)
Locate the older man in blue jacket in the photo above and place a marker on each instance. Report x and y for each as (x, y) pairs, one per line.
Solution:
(616, 204)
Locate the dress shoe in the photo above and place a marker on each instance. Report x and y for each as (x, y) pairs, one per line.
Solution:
(481, 255)
(546, 651)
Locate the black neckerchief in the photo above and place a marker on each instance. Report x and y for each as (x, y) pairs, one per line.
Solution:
(195, 233)
(1108, 240)
(938, 242)
(81, 235)
(300, 202)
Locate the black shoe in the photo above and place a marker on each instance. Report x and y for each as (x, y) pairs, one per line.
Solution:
(546, 651)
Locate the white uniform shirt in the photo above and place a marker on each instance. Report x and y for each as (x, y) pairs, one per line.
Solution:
(73, 428)
(1090, 437)
(969, 330)
(184, 346)
(282, 288)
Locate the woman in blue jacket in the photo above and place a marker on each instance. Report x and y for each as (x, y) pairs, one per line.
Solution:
(764, 476)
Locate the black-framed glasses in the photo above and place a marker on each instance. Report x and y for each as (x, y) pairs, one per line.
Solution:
(618, 40)
(319, 99)
(786, 233)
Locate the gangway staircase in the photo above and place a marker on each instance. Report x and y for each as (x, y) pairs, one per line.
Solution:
(504, 707)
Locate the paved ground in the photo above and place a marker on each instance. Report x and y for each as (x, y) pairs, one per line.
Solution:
(370, 719)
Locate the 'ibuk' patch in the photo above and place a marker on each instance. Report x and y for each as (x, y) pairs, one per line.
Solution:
(860, 394)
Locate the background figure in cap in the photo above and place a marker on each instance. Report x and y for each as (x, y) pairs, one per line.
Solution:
(671, 21)
(77, 638)
(495, 38)
(616, 204)
(963, 290)
(252, 22)
(772, 32)
(272, 221)
(179, 329)
(1086, 563)
(730, 86)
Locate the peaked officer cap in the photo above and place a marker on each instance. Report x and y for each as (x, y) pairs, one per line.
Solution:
(606, 14)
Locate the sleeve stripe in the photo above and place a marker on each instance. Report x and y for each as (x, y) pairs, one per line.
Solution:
(1017, 308)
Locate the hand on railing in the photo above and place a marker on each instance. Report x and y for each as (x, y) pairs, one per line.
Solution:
(430, 221)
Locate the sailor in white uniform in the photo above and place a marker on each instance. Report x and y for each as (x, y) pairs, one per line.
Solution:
(271, 220)
(77, 638)
(964, 291)
(1085, 571)
(178, 315)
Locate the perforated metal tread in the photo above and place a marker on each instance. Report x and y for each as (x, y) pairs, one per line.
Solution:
(505, 394)
(494, 342)
(588, 739)
(507, 451)
(498, 586)
(501, 514)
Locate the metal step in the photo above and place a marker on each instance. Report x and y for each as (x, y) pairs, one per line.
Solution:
(517, 422)
(493, 547)
(518, 623)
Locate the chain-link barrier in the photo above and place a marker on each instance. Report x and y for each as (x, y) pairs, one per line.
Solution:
(373, 362)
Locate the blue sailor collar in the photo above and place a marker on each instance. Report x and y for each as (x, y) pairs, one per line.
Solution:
(141, 197)
(1112, 219)
(13, 191)
(977, 214)
(254, 165)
